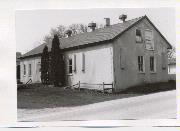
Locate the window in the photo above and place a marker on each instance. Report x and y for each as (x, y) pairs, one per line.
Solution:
(164, 62)
(70, 65)
(83, 62)
(38, 69)
(24, 69)
(152, 64)
(149, 40)
(29, 70)
(138, 35)
(74, 62)
(122, 58)
(141, 63)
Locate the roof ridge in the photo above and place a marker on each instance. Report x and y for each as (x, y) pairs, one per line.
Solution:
(101, 34)
(101, 28)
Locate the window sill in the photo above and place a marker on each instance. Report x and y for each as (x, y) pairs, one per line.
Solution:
(153, 72)
(139, 42)
(24, 75)
(141, 72)
(30, 75)
(150, 49)
(70, 74)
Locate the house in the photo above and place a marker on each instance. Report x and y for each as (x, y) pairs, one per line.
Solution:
(126, 54)
(18, 55)
(172, 66)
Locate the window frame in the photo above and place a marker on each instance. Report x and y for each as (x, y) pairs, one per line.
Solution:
(154, 64)
(38, 70)
(29, 69)
(83, 62)
(70, 66)
(149, 40)
(141, 64)
(141, 32)
(24, 70)
(74, 63)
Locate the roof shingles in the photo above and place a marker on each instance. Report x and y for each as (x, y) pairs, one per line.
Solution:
(99, 35)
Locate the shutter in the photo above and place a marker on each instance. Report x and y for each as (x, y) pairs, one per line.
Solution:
(83, 62)
(163, 61)
(74, 63)
(122, 58)
(149, 39)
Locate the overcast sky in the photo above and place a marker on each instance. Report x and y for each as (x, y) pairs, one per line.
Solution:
(33, 25)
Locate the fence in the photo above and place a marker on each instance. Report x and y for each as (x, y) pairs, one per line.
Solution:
(104, 89)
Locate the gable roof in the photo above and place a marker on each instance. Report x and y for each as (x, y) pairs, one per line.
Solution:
(94, 37)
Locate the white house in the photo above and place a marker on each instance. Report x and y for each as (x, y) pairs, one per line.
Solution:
(126, 54)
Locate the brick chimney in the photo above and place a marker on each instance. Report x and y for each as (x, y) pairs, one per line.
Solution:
(107, 21)
(92, 26)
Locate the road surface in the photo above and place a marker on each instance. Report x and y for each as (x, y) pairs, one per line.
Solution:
(158, 105)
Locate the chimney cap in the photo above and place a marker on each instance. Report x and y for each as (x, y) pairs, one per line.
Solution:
(123, 17)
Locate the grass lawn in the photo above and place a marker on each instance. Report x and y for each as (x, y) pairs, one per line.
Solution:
(37, 97)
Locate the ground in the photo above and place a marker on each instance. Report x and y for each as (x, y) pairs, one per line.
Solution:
(60, 104)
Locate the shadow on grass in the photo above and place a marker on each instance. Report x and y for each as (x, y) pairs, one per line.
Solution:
(37, 96)
(151, 88)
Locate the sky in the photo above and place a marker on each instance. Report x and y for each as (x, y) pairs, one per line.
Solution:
(32, 25)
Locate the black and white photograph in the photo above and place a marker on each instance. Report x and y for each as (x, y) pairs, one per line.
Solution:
(96, 64)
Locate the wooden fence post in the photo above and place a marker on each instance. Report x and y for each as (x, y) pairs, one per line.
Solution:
(79, 85)
(103, 87)
(112, 87)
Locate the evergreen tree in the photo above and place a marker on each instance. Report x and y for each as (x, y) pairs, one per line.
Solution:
(45, 66)
(57, 63)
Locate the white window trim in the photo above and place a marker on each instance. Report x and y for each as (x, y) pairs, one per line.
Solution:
(37, 68)
(152, 38)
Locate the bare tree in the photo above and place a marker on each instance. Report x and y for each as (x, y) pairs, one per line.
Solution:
(78, 28)
(47, 39)
(83, 28)
(74, 28)
(53, 32)
(172, 53)
(100, 26)
(61, 31)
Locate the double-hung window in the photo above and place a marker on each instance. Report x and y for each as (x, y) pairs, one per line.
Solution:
(141, 64)
(83, 62)
(138, 36)
(152, 64)
(70, 65)
(74, 62)
(24, 69)
(30, 71)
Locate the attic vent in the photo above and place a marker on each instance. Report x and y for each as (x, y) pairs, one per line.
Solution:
(92, 26)
(123, 17)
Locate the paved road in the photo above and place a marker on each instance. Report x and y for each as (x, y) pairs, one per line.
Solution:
(158, 105)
